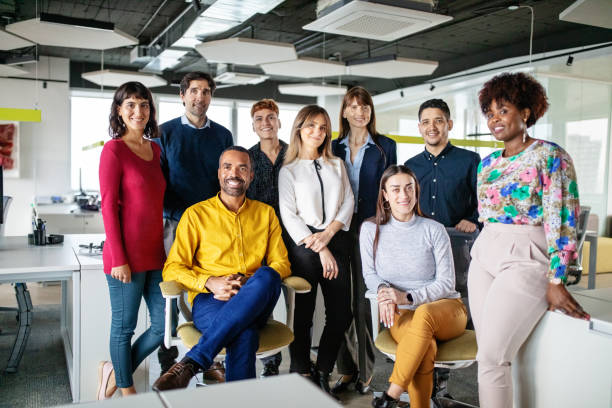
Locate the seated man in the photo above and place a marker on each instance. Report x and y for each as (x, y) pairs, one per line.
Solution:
(217, 255)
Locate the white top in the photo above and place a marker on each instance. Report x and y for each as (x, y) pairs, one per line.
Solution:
(413, 256)
(299, 194)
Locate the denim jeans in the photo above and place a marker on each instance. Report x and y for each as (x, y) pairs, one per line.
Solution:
(125, 302)
(235, 324)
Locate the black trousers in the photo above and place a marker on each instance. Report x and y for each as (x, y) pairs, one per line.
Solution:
(357, 349)
(306, 263)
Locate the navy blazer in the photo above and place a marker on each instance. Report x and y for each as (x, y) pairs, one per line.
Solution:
(372, 167)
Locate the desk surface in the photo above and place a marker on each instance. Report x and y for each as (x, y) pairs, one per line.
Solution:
(18, 257)
(279, 391)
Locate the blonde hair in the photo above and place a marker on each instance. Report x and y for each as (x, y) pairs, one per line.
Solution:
(306, 114)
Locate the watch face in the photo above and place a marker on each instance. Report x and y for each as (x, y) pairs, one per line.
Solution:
(556, 281)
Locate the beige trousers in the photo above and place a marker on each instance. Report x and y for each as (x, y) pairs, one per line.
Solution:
(507, 286)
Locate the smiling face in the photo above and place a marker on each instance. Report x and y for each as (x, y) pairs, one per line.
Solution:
(506, 122)
(266, 124)
(235, 173)
(197, 97)
(134, 112)
(358, 115)
(400, 192)
(313, 132)
(434, 127)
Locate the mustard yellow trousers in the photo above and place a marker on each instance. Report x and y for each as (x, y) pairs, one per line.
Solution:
(416, 332)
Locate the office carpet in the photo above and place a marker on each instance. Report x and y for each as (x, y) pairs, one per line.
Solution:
(42, 378)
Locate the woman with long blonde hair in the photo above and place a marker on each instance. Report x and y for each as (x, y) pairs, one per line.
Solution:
(316, 206)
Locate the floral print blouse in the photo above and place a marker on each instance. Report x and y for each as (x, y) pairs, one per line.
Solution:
(535, 187)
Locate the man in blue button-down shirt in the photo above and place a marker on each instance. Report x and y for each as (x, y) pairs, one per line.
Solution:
(446, 173)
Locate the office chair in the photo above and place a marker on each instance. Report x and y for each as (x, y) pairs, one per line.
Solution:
(459, 352)
(574, 271)
(273, 337)
(24, 307)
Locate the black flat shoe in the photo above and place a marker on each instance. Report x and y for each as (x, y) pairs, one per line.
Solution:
(342, 386)
(363, 389)
(323, 382)
(384, 401)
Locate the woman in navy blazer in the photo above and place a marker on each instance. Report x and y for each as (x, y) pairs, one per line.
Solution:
(366, 154)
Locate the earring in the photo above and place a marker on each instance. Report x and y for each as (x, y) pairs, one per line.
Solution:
(386, 205)
(121, 121)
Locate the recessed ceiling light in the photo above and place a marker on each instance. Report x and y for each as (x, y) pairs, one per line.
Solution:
(61, 31)
(368, 19)
(390, 66)
(115, 78)
(304, 67)
(309, 89)
(246, 51)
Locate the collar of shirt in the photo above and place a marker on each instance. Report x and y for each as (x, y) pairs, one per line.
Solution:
(222, 206)
(444, 152)
(281, 153)
(368, 141)
(185, 121)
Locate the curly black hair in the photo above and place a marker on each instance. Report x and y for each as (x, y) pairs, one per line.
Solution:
(519, 89)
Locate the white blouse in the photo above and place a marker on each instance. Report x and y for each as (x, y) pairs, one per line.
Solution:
(300, 199)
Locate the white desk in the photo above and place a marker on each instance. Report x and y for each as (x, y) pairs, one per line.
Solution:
(291, 390)
(95, 321)
(85, 312)
(567, 362)
(20, 262)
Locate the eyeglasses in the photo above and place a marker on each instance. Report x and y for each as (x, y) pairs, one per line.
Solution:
(357, 108)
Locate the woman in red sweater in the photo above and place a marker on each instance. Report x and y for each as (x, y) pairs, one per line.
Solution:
(132, 188)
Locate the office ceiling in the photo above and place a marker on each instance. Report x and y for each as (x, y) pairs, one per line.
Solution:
(481, 32)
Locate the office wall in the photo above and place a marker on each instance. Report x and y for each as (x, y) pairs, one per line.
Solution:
(44, 146)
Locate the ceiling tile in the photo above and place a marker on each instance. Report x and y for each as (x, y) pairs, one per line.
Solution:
(305, 67)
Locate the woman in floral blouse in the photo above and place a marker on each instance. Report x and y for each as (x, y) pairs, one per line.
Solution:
(528, 202)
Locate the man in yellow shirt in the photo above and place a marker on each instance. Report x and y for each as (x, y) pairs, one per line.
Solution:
(220, 247)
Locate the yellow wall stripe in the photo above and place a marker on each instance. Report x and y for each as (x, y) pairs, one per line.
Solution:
(20, 115)
(456, 142)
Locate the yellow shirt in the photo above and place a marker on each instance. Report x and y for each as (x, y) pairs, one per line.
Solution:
(214, 241)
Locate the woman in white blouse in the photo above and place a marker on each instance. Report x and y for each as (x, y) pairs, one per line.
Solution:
(316, 206)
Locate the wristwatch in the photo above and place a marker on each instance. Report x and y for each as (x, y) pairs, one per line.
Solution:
(409, 297)
(557, 281)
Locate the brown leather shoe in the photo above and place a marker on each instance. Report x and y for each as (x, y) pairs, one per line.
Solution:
(177, 376)
(216, 373)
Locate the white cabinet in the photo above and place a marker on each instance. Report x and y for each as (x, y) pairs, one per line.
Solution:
(96, 321)
(70, 219)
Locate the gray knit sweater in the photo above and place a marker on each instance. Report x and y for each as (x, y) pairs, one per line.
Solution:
(413, 256)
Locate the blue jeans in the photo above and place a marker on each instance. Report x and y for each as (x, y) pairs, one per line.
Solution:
(235, 324)
(125, 302)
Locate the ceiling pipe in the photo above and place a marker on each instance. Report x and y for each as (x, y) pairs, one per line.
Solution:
(152, 17)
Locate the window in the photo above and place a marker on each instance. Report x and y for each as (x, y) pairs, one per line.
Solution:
(88, 130)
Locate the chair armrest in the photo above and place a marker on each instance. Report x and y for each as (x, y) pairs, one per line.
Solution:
(171, 289)
(294, 284)
(300, 285)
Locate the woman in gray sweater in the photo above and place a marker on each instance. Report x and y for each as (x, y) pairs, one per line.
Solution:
(407, 259)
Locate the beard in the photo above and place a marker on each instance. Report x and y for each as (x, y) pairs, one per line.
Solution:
(234, 191)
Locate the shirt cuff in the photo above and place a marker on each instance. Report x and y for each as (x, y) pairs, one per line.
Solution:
(201, 283)
(559, 263)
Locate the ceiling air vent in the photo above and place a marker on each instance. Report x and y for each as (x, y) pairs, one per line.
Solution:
(374, 20)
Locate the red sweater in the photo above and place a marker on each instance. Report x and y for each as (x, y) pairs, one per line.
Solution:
(132, 191)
